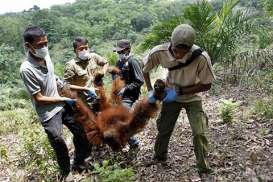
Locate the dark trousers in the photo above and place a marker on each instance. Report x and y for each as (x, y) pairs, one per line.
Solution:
(54, 131)
(128, 103)
(198, 122)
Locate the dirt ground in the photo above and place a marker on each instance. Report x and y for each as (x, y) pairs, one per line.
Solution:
(241, 151)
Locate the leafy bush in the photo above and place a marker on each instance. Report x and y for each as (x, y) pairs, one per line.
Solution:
(13, 104)
(3, 152)
(227, 109)
(263, 80)
(264, 108)
(37, 156)
(9, 64)
(267, 4)
(13, 120)
(160, 33)
(113, 173)
(36, 153)
(219, 32)
(13, 98)
(112, 58)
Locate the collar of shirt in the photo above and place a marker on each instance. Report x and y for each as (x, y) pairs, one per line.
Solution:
(184, 59)
(171, 57)
(78, 60)
(36, 63)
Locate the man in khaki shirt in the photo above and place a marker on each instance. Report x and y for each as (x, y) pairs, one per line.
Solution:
(189, 73)
(87, 66)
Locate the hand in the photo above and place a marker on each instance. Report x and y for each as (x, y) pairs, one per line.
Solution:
(70, 102)
(170, 95)
(151, 97)
(113, 70)
(121, 92)
(91, 93)
(99, 76)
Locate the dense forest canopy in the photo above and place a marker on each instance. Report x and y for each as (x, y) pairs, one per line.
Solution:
(225, 28)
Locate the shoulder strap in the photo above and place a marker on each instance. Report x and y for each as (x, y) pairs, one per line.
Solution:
(195, 54)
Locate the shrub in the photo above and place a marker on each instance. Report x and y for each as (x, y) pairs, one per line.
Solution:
(219, 32)
(13, 120)
(227, 109)
(112, 58)
(13, 98)
(3, 152)
(264, 108)
(37, 155)
(113, 173)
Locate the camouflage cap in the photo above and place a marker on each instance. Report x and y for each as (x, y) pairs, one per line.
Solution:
(183, 34)
(121, 45)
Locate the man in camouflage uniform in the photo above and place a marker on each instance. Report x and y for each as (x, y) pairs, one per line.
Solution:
(189, 73)
(87, 69)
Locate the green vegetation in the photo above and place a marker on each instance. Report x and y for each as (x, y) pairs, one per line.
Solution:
(264, 108)
(3, 152)
(113, 173)
(224, 28)
(227, 109)
(220, 32)
(10, 60)
(37, 156)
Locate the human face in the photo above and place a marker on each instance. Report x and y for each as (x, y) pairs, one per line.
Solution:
(178, 53)
(124, 51)
(38, 43)
(81, 47)
(124, 54)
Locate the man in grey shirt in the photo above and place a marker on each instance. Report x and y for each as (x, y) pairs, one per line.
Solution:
(37, 72)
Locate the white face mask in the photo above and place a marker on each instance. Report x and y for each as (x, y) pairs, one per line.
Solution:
(84, 55)
(123, 57)
(41, 53)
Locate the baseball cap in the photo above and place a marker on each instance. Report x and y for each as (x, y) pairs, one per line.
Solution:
(183, 34)
(121, 45)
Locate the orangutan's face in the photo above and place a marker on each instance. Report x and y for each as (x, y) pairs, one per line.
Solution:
(111, 138)
(159, 87)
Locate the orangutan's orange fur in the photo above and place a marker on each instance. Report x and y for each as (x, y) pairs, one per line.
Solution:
(117, 85)
(114, 124)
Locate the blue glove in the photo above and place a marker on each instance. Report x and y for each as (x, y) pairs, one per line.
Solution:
(91, 93)
(71, 102)
(170, 95)
(151, 97)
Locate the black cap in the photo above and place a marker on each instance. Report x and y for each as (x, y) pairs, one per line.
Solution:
(121, 45)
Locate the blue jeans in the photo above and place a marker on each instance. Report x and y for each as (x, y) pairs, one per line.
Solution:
(133, 141)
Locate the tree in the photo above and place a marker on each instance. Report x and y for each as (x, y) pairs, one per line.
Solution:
(10, 61)
(268, 7)
(49, 22)
(218, 31)
(141, 21)
(11, 28)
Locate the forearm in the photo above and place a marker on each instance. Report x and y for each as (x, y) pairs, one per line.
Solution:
(44, 100)
(194, 89)
(78, 88)
(105, 68)
(148, 81)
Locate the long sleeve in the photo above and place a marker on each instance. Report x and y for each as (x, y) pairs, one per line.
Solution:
(137, 76)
